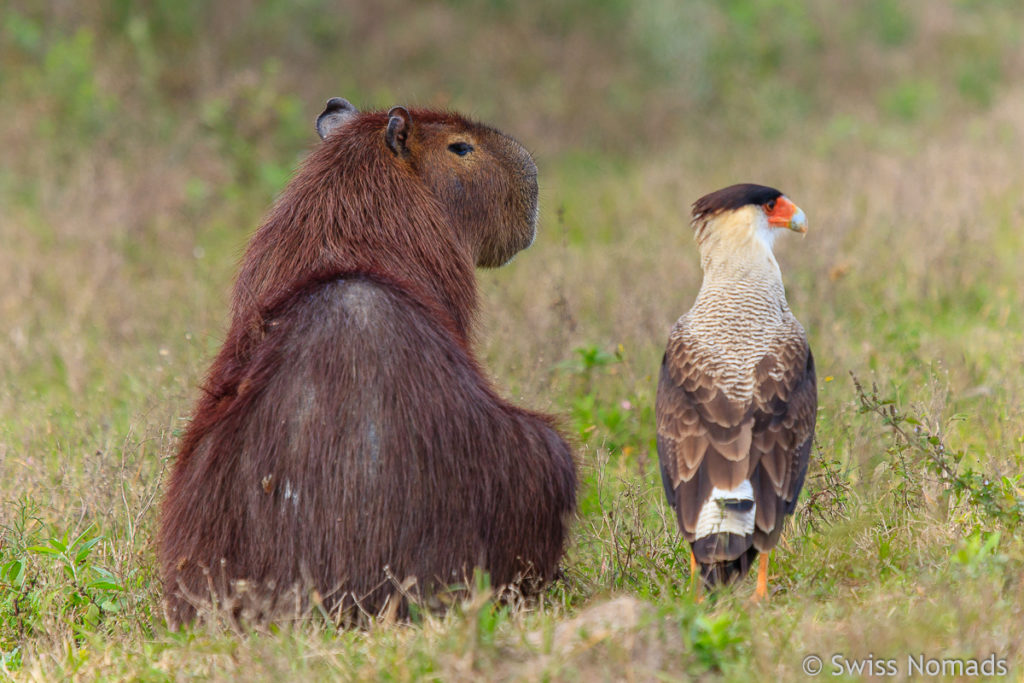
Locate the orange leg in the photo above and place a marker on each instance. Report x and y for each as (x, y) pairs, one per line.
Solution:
(762, 578)
(695, 578)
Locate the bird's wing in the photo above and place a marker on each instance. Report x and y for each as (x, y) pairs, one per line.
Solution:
(704, 437)
(785, 409)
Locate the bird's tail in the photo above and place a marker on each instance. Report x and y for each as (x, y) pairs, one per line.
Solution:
(724, 572)
(724, 535)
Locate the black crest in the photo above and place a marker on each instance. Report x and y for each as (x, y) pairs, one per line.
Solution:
(733, 197)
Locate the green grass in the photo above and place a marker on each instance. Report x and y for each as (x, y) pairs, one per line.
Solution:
(142, 144)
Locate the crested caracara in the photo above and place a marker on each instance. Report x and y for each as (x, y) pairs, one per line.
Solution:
(736, 396)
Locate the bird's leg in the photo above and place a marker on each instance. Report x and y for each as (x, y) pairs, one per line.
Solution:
(695, 578)
(762, 578)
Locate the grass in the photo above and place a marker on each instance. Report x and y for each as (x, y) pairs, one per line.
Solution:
(141, 146)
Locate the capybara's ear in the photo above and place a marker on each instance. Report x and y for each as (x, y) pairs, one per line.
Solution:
(399, 127)
(338, 112)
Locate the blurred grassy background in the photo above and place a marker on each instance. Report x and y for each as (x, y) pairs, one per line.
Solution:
(140, 144)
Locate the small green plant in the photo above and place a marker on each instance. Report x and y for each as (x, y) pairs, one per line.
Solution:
(828, 493)
(91, 590)
(714, 638)
(589, 413)
(486, 614)
(979, 551)
(601, 407)
(16, 588)
(41, 577)
(919, 454)
(587, 360)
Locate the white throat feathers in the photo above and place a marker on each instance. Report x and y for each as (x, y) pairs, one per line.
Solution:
(737, 243)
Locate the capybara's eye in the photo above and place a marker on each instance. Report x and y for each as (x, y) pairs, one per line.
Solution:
(460, 148)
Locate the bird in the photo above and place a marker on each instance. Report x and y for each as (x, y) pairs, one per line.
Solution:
(737, 396)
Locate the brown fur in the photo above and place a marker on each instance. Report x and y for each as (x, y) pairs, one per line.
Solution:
(346, 438)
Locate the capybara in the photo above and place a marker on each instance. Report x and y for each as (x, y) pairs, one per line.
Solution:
(347, 451)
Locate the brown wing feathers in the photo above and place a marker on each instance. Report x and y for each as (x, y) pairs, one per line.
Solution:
(786, 400)
(786, 397)
(703, 437)
(706, 440)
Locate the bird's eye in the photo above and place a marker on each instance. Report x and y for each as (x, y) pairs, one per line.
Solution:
(770, 206)
(460, 148)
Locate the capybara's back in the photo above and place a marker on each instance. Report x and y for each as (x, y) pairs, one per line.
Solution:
(347, 443)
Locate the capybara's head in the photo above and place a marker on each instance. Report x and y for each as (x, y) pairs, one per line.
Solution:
(485, 182)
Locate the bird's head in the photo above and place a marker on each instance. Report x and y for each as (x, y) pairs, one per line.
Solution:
(742, 217)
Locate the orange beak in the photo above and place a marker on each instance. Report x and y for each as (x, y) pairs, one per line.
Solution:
(786, 214)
